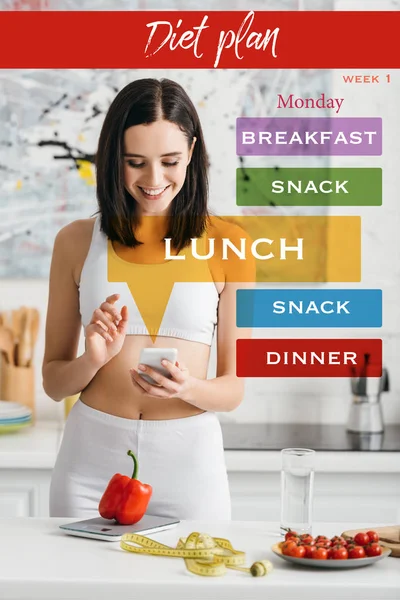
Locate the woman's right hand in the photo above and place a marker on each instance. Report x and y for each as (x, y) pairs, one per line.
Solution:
(106, 332)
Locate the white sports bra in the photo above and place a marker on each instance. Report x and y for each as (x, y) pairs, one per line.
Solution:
(176, 298)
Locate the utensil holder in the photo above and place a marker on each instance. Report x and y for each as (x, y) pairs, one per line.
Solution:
(18, 385)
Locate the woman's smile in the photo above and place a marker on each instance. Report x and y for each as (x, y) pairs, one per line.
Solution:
(153, 193)
(156, 158)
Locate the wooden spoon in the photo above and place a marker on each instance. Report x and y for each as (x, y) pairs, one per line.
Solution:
(35, 326)
(25, 342)
(17, 317)
(7, 343)
(6, 318)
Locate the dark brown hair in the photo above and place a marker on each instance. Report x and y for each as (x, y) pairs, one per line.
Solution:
(140, 102)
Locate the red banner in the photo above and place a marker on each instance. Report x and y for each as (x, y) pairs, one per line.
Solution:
(309, 358)
(203, 40)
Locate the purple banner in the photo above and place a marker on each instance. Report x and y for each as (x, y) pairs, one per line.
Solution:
(312, 136)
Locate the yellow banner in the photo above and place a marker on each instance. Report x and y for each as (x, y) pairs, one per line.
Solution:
(241, 249)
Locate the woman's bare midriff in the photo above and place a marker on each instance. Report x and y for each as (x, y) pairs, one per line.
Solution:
(112, 390)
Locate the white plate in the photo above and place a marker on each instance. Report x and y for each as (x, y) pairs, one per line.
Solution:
(350, 563)
(10, 410)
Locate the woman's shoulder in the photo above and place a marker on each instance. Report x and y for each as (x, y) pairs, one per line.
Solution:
(72, 243)
(76, 231)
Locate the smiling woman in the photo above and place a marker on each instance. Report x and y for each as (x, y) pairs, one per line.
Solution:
(109, 275)
(153, 179)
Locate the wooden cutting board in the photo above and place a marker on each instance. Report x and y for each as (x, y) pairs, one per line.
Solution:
(388, 536)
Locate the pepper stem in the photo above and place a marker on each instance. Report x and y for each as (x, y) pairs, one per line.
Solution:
(135, 462)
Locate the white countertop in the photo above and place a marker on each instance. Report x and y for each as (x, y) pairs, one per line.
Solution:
(38, 561)
(36, 447)
(33, 447)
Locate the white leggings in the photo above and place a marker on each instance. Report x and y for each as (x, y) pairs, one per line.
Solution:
(182, 459)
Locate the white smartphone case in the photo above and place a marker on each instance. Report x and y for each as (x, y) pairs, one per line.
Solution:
(152, 357)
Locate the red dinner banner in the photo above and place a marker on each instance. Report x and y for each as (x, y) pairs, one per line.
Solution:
(309, 358)
(196, 39)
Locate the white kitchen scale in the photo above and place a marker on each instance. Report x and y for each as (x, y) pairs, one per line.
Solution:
(110, 531)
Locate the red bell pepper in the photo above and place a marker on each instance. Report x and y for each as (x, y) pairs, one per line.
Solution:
(126, 498)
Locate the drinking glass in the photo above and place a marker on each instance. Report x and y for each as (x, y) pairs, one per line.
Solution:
(297, 483)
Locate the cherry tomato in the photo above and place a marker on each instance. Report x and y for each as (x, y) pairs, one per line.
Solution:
(329, 550)
(361, 539)
(339, 552)
(290, 534)
(310, 551)
(373, 536)
(322, 538)
(298, 551)
(373, 549)
(306, 539)
(321, 554)
(338, 539)
(296, 539)
(350, 541)
(356, 551)
(286, 546)
(323, 543)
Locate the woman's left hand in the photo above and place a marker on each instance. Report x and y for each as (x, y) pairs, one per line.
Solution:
(177, 387)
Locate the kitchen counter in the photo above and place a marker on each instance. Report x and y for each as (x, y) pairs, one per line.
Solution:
(33, 447)
(248, 447)
(39, 562)
(322, 438)
(349, 485)
(257, 446)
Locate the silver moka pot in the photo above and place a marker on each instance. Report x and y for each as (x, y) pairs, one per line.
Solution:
(365, 415)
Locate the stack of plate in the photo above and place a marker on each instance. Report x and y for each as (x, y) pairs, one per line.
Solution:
(14, 416)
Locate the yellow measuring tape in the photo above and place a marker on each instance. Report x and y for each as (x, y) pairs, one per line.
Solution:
(203, 554)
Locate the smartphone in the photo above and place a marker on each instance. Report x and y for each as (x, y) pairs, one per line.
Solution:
(152, 357)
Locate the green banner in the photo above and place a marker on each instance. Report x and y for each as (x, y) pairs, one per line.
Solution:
(323, 186)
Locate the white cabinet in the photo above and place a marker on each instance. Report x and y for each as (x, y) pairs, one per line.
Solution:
(345, 497)
(16, 501)
(26, 462)
(24, 492)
